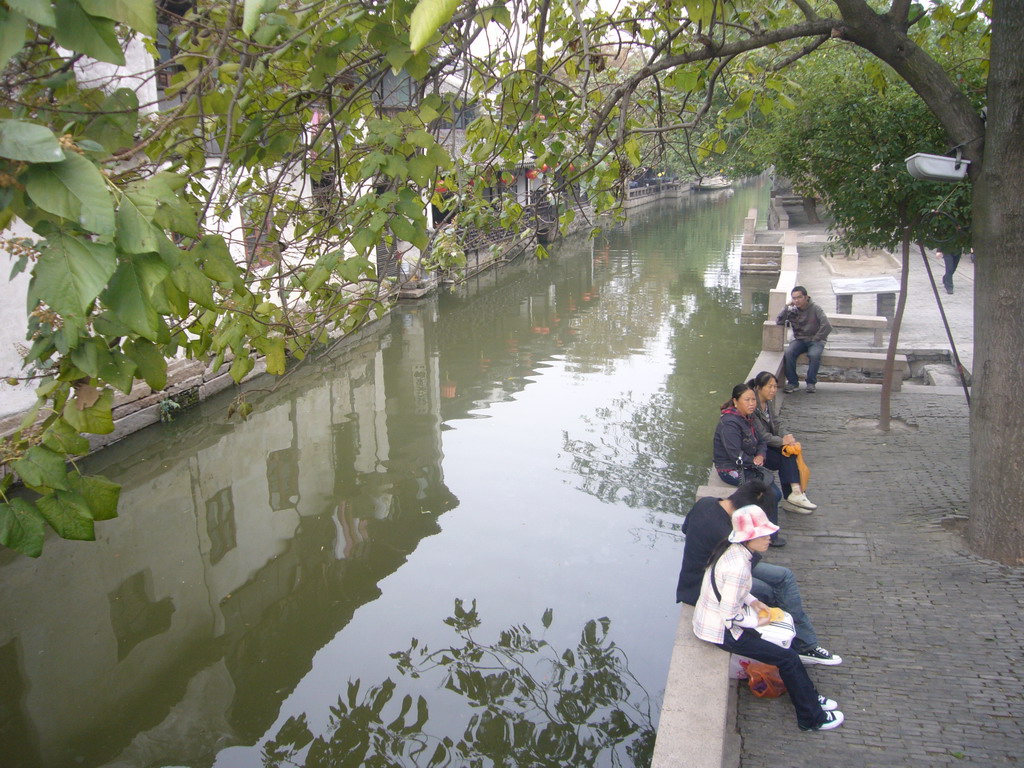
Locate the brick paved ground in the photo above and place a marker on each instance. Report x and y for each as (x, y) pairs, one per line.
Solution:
(931, 636)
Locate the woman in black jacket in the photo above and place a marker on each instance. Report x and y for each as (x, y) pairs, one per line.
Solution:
(740, 450)
(765, 386)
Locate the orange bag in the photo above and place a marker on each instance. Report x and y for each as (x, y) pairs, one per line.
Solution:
(764, 680)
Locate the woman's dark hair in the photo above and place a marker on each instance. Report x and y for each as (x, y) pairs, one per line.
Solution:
(750, 492)
(762, 379)
(718, 551)
(801, 289)
(738, 390)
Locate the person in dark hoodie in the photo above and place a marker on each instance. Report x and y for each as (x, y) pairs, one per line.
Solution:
(740, 449)
(810, 329)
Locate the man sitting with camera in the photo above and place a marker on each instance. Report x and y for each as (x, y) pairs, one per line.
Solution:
(810, 329)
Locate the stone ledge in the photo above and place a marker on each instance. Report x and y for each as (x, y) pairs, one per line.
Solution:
(697, 728)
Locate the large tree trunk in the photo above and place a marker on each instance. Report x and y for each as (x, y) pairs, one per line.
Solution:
(996, 527)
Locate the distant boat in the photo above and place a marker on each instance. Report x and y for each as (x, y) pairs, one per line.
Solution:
(711, 183)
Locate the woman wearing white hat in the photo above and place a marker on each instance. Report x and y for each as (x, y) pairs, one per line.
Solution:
(728, 615)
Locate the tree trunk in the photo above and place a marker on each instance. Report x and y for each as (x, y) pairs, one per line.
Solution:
(996, 527)
(884, 415)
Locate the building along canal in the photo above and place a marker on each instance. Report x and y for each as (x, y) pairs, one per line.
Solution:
(453, 541)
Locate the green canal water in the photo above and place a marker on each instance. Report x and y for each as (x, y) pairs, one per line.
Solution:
(452, 542)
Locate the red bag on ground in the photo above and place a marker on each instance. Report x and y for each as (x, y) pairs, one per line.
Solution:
(764, 680)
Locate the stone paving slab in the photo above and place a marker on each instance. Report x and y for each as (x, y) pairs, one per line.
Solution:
(931, 636)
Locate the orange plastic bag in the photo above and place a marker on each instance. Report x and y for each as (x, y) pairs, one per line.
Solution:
(764, 680)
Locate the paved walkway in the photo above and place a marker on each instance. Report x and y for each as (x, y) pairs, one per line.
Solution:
(931, 635)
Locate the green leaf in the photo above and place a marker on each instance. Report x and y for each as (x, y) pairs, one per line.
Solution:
(12, 34)
(740, 106)
(84, 33)
(71, 273)
(251, 14)
(88, 356)
(68, 514)
(274, 350)
(404, 229)
(129, 294)
(214, 259)
(421, 169)
(137, 14)
(173, 211)
(41, 468)
(241, 366)
(115, 126)
(100, 495)
(73, 189)
(33, 143)
(427, 18)
(39, 12)
(152, 365)
(97, 419)
(62, 438)
(22, 527)
(135, 233)
(118, 371)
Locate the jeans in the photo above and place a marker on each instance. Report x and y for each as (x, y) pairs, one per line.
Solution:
(797, 347)
(798, 683)
(776, 585)
(786, 466)
(771, 504)
(951, 261)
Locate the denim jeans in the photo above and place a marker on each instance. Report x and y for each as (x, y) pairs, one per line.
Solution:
(951, 261)
(797, 347)
(776, 585)
(786, 466)
(798, 683)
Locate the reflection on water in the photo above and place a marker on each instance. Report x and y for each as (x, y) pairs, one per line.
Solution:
(528, 703)
(531, 439)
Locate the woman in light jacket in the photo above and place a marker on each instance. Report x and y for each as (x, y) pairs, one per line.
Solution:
(728, 615)
(765, 386)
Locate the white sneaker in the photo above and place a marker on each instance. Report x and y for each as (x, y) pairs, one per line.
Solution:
(829, 705)
(801, 500)
(833, 719)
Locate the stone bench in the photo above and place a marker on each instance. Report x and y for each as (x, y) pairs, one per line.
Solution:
(874, 323)
(865, 362)
(883, 287)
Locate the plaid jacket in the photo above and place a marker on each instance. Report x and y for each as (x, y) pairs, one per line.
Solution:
(732, 576)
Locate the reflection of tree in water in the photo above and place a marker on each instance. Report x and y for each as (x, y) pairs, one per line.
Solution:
(532, 706)
(650, 453)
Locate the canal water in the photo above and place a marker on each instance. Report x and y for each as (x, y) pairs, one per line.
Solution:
(452, 542)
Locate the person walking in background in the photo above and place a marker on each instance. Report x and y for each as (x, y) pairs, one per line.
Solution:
(810, 329)
(951, 258)
(728, 615)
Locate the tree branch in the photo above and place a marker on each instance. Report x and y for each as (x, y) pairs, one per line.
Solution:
(807, 49)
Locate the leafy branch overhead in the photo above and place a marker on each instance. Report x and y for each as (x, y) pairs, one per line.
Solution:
(227, 202)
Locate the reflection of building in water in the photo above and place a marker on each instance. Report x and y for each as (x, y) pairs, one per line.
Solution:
(242, 548)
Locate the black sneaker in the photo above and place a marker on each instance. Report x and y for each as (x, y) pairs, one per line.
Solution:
(790, 388)
(819, 655)
(833, 719)
(777, 541)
